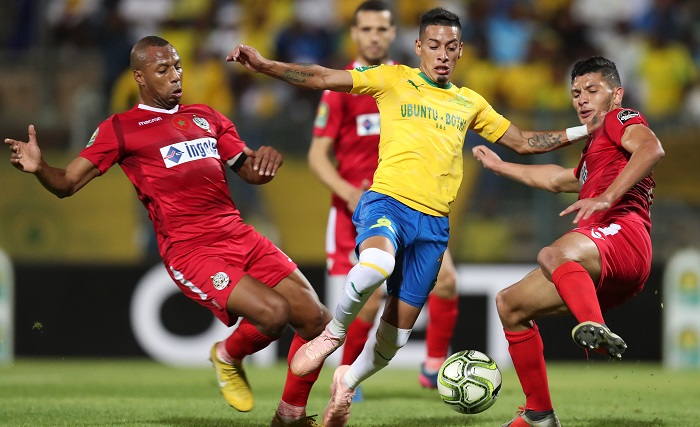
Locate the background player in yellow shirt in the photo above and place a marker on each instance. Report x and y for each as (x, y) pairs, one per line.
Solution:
(402, 220)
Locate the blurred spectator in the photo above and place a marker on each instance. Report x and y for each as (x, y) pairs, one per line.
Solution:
(510, 30)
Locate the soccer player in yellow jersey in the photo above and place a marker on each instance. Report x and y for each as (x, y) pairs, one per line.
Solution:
(402, 220)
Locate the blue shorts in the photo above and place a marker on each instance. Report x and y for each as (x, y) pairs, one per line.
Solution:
(420, 241)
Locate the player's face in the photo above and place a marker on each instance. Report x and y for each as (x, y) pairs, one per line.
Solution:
(439, 48)
(594, 97)
(373, 36)
(160, 77)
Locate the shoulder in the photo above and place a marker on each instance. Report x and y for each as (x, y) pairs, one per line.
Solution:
(621, 117)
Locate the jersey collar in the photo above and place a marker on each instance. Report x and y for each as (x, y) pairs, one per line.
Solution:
(433, 84)
(159, 110)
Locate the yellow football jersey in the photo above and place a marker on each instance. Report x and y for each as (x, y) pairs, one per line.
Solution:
(422, 130)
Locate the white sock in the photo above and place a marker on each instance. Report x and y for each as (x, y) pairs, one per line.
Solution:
(374, 267)
(377, 353)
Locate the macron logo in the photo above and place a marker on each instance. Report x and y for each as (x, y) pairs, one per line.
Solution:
(183, 152)
(149, 121)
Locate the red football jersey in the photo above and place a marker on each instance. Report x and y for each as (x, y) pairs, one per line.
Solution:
(603, 159)
(176, 160)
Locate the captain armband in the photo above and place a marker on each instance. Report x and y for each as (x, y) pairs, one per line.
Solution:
(236, 163)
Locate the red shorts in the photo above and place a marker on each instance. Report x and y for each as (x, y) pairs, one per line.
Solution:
(209, 273)
(340, 241)
(625, 251)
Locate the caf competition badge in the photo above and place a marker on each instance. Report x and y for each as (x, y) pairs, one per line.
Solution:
(220, 280)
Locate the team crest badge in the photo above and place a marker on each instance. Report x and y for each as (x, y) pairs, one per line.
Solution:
(220, 280)
(202, 123)
(93, 137)
(181, 122)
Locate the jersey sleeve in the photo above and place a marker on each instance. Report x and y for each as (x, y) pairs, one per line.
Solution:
(488, 123)
(229, 143)
(329, 114)
(102, 150)
(375, 79)
(617, 121)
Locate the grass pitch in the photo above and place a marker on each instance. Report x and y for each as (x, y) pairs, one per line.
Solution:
(142, 393)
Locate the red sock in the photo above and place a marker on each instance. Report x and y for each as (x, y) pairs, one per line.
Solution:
(355, 340)
(577, 289)
(442, 317)
(297, 389)
(246, 340)
(526, 351)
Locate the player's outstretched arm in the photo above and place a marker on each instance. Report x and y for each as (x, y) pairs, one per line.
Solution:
(260, 165)
(646, 152)
(552, 178)
(308, 76)
(533, 142)
(26, 156)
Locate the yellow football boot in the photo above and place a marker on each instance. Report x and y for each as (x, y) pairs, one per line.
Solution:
(233, 383)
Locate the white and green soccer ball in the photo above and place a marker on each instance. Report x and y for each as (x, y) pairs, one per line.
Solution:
(469, 382)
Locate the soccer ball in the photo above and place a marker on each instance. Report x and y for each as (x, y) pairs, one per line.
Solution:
(469, 382)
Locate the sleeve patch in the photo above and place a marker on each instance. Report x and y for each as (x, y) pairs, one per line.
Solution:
(93, 137)
(322, 116)
(624, 115)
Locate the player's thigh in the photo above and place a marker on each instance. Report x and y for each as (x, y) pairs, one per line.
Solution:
(400, 313)
(580, 248)
(446, 285)
(532, 297)
(307, 314)
(257, 302)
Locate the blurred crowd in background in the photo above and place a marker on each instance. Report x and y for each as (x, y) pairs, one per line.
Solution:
(64, 64)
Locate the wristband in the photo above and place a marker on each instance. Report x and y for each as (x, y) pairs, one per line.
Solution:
(578, 132)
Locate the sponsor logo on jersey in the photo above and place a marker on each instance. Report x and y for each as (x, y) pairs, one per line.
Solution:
(625, 115)
(220, 280)
(202, 123)
(367, 124)
(93, 137)
(149, 121)
(187, 151)
(181, 122)
(322, 113)
(414, 85)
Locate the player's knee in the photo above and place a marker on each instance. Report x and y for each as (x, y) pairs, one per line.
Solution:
(375, 266)
(506, 309)
(275, 318)
(548, 258)
(446, 285)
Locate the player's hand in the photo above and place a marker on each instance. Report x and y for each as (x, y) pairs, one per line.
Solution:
(487, 157)
(25, 156)
(248, 56)
(584, 208)
(266, 160)
(354, 198)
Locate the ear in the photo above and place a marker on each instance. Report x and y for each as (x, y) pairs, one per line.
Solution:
(417, 47)
(353, 34)
(618, 93)
(138, 76)
(461, 45)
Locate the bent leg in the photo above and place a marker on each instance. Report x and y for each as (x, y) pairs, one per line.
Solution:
(518, 305)
(442, 318)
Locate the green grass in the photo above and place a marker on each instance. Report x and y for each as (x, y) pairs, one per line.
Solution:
(135, 393)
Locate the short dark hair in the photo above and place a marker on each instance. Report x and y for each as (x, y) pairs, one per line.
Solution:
(438, 16)
(372, 6)
(597, 64)
(138, 51)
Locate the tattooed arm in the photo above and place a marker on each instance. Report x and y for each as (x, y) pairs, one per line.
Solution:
(532, 142)
(303, 75)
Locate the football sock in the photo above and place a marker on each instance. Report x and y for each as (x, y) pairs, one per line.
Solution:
(290, 412)
(296, 389)
(577, 289)
(244, 341)
(386, 343)
(355, 340)
(441, 324)
(526, 351)
(374, 267)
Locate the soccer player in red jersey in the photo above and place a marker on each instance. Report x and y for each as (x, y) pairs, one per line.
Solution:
(175, 155)
(602, 262)
(347, 128)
